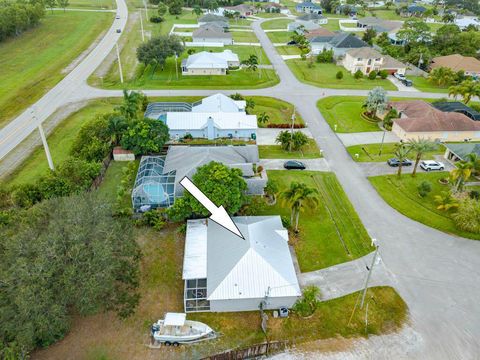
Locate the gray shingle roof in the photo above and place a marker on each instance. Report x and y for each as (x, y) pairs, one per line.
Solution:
(211, 31)
(463, 149)
(348, 41)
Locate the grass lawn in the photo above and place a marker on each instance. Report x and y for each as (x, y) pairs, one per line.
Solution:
(402, 195)
(330, 234)
(323, 75)
(387, 14)
(243, 52)
(288, 50)
(280, 36)
(244, 36)
(240, 22)
(332, 25)
(92, 4)
(276, 24)
(387, 152)
(345, 112)
(280, 112)
(309, 151)
(269, 15)
(32, 63)
(422, 84)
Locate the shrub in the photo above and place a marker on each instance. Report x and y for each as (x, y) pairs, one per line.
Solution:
(467, 217)
(474, 194)
(286, 222)
(424, 188)
(358, 75)
(92, 142)
(326, 56)
(154, 218)
(372, 75)
(309, 302)
(383, 74)
(145, 136)
(190, 51)
(156, 19)
(339, 75)
(188, 136)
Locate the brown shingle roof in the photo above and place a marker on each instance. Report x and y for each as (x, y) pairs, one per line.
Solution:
(420, 116)
(211, 31)
(457, 62)
(318, 32)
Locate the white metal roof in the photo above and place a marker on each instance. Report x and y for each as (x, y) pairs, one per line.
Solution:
(195, 258)
(255, 267)
(223, 121)
(219, 103)
(210, 60)
(174, 319)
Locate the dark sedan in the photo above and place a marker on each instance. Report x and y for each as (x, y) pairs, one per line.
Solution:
(395, 162)
(294, 165)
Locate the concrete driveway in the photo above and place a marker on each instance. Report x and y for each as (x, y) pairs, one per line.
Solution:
(311, 164)
(382, 168)
(267, 136)
(373, 137)
(400, 85)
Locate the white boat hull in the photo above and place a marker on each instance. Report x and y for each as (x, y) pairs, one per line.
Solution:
(191, 331)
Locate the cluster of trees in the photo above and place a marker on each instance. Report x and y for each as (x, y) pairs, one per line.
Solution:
(19, 16)
(61, 257)
(251, 63)
(289, 140)
(174, 7)
(156, 50)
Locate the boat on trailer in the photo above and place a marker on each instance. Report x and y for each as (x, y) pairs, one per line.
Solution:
(175, 329)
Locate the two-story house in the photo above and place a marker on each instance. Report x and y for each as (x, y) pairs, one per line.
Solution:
(366, 59)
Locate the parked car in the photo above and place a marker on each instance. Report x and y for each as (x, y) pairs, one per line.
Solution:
(399, 76)
(292, 42)
(407, 82)
(119, 31)
(429, 165)
(394, 162)
(117, 17)
(294, 165)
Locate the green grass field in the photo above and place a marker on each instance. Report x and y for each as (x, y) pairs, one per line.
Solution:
(92, 4)
(422, 84)
(279, 111)
(276, 24)
(330, 234)
(269, 15)
(323, 75)
(402, 195)
(244, 36)
(388, 151)
(332, 25)
(280, 36)
(32, 63)
(309, 151)
(288, 50)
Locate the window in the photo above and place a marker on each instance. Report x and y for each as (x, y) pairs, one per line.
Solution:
(195, 295)
(359, 59)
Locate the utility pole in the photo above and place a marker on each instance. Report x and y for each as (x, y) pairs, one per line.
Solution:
(146, 10)
(176, 66)
(44, 141)
(141, 26)
(291, 130)
(369, 273)
(420, 60)
(383, 140)
(119, 63)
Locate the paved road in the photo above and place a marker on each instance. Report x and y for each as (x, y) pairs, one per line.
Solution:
(310, 164)
(436, 273)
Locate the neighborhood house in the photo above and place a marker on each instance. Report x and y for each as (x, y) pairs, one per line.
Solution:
(366, 59)
(211, 33)
(223, 272)
(210, 63)
(339, 43)
(308, 7)
(456, 62)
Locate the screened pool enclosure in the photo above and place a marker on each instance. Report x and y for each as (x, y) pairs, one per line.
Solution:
(152, 187)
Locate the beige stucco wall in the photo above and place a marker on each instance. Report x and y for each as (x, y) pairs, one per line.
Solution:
(352, 64)
(205, 72)
(441, 135)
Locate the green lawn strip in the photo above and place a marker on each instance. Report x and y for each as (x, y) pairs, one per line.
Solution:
(332, 25)
(265, 15)
(402, 195)
(387, 14)
(309, 151)
(111, 181)
(279, 111)
(422, 84)
(240, 22)
(243, 52)
(330, 234)
(32, 63)
(288, 50)
(388, 151)
(324, 75)
(244, 36)
(92, 4)
(280, 36)
(276, 24)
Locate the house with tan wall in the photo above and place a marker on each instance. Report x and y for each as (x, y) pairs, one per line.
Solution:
(209, 63)
(366, 59)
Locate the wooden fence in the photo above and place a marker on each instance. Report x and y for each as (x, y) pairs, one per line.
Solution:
(251, 352)
(98, 180)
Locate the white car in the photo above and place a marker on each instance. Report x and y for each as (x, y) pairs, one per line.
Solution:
(399, 76)
(428, 165)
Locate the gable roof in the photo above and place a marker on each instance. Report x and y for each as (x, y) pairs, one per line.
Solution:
(219, 102)
(210, 60)
(213, 18)
(380, 25)
(416, 9)
(346, 40)
(421, 116)
(322, 32)
(463, 149)
(457, 62)
(364, 53)
(391, 63)
(211, 30)
(251, 267)
(240, 8)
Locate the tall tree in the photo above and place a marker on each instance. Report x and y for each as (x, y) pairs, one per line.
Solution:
(197, 10)
(442, 76)
(63, 4)
(162, 9)
(263, 118)
(158, 49)
(415, 31)
(466, 89)
(145, 136)
(401, 153)
(51, 4)
(461, 173)
(297, 196)
(420, 147)
(376, 101)
(131, 105)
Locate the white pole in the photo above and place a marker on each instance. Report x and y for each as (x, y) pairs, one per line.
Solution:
(368, 276)
(141, 26)
(146, 10)
(291, 131)
(45, 146)
(119, 63)
(176, 66)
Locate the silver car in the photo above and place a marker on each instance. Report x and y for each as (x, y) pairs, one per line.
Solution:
(429, 165)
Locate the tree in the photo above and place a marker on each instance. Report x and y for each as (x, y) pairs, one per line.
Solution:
(51, 4)
(467, 216)
(308, 304)
(132, 104)
(339, 75)
(197, 10)
(93, 141)
(158, 49)
(420, 146)
(448, 18)
(460, 174)
(145, 136)
(175, 7)
(66, 256)
(401, 153)
(376, 101)
(414, 31)
(117, 125)
(445, 201)
(474, 160)
(297, 196)
(466, 89)
(369, 35)
(289, 141)
(251, 62)
(263, 118)
(63, 4)
(162, 9)
(249, 105)
(222, 184)
(212, 5)
(442, 76)
(325, 56)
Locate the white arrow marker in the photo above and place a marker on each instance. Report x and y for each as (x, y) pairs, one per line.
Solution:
(219, 214)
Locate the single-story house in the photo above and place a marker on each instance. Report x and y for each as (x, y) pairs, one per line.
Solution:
(212, 33)
(271, 7)
(458, 62)
(210, 63)
(242, 9)
(379, 25)
(414, 10)
(223, 272)
(457, 106)
(313, 17)
(300, 26)
(216, 116)
(346, 9)
(367, 59)
(459, 151)
(419, 119)
(340, 43)
(464, 21)
(308, 7)
(218, 20)
(319, 32)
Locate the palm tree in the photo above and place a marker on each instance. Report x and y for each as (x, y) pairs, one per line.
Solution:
(401, 154)
(132, 101)
(299, 139)
(466, 89)
(197, 11)
(263, 118)
(284, 138)
(116, 126)
(446, 201)
(298, 196)
(475, 161)
(420, 147)
(460, 174)
(441, 76)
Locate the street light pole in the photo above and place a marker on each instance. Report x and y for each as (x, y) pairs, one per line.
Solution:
(146, 10)
(176, 65)
(291, 130)
(141, 26)
(119, 63)
(369, 274)
(383, 140)
(44, 141)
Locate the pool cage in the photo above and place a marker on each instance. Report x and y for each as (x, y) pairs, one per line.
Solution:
(152, 188)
